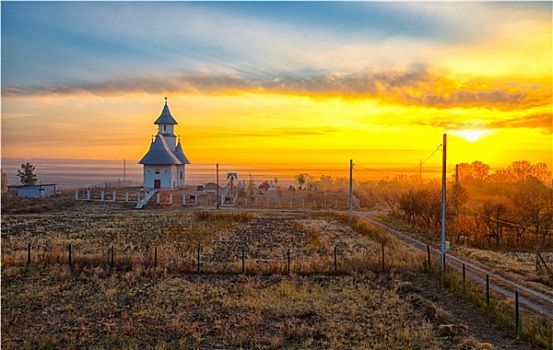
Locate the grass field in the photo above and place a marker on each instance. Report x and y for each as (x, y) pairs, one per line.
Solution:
(365, 304)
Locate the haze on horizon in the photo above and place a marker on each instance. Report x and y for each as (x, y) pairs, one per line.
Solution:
(280, 83)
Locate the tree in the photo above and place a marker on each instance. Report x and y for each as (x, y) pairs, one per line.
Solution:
(251, 187)
(495, 216)
(473, 172)
(302, 178)
(4, 182)
(533, 204)
(27, 174)
(521, 169)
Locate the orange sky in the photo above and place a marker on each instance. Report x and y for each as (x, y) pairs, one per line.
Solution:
(383, 96)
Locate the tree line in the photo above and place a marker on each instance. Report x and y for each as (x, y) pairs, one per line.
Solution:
(512, 207)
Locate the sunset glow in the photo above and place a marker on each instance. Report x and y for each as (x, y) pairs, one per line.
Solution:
(376, 82)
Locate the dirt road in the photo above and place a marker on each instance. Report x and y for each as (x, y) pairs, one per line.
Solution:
(531, 299)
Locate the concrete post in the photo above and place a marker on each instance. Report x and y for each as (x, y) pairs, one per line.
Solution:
(126, 196)
(138, 197)
(88, 195)
(171, 198)
(157, 198)
(102, 196)
(113, 196)
(77, 195)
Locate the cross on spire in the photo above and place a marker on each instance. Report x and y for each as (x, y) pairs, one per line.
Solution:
(165, 100)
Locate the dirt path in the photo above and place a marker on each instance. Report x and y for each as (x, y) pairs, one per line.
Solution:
(480, 326)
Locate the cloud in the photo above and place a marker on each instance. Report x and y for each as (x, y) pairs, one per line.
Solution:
(542, 121)
(416, 86)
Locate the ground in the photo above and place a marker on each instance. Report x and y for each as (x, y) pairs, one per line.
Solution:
(357, 303)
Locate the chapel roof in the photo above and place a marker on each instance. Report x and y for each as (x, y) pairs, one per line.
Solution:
(160, 153)
(180, 154)
(166, 117)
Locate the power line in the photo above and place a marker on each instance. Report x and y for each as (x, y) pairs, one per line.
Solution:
(409, 172)
(497, 220)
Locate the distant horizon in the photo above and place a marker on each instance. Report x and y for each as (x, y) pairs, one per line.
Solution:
(109, 170)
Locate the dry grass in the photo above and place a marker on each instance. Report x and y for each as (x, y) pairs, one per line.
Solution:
(519, 266)
(96, 309)
(135, 305)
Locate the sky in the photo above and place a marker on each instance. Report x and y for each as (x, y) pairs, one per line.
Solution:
(280, 84)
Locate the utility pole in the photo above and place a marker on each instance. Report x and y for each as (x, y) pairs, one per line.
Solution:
(444, 161)
(217, 186)
(456, 189)
(350, 189)
(420, 171)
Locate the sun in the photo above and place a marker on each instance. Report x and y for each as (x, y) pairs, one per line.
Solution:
(471, 135)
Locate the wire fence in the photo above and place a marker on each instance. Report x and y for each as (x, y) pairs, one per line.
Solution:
(206, 259)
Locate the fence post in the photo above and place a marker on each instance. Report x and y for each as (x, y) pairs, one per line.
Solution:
(335, 260)
(155, 256)
(382, 257)
(29, 253)
(126, 196)
(243, 262)
(171, 198)
(102, 196)
(138, 197)
(517, 315)
(88, 195)
(464, 276)
(488, 291)
(429, 259)
(113, 196)
(77, 194)
(198, 267)
(70, 257)
(158, 196)
(288, 268)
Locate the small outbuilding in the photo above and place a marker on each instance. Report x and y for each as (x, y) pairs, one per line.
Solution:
(36, 191)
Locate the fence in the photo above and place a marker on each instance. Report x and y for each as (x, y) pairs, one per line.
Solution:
(209, 199)
(537, 330)
(200, 259)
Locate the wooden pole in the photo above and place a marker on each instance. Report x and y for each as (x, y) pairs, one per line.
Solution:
(70, 257)
(444, 161)
(335, 260)
(243, 261)
(218, 199)
(288, 269)
(429, 259)
(350, 189)
(488, 291)
(517, 315)
(198, 267)
(29, 253)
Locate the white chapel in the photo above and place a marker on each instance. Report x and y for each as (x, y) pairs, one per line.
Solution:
(165, 161)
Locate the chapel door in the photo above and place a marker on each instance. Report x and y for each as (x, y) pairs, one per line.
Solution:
(157, 184)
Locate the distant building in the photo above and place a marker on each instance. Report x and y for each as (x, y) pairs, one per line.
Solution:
(36, 191)
(165, 161)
